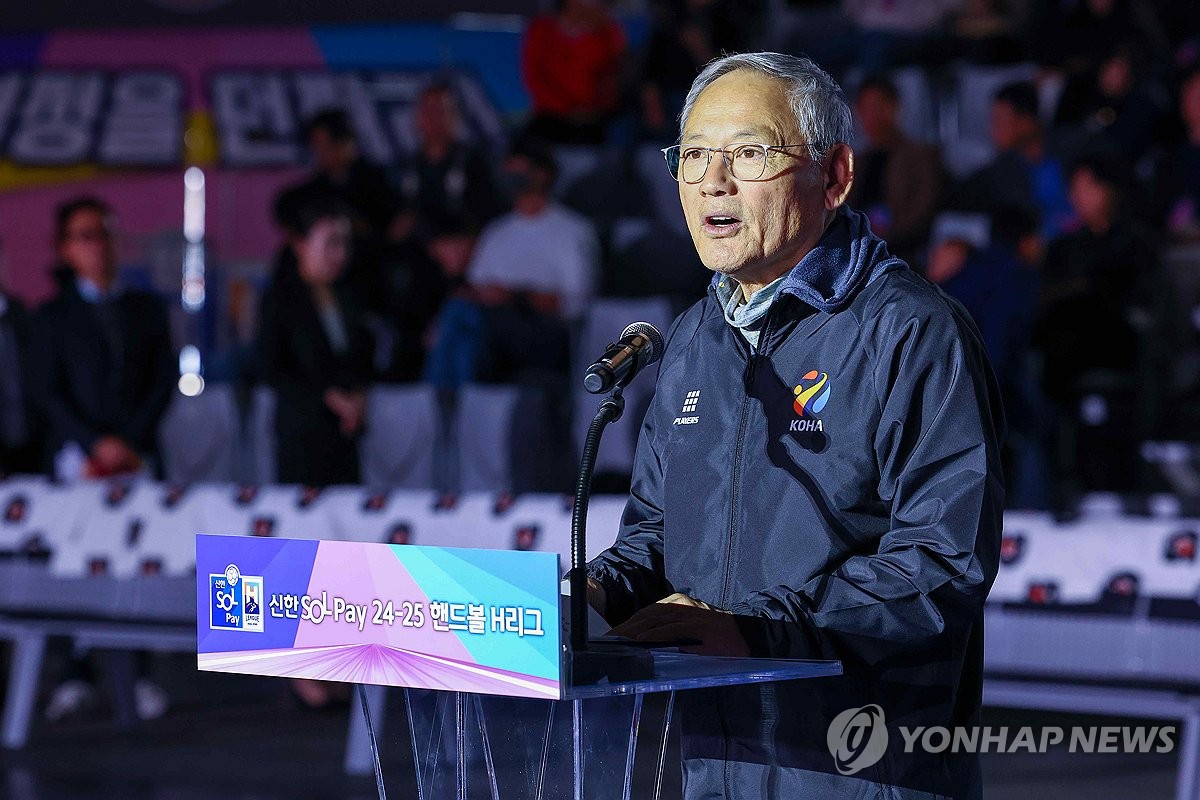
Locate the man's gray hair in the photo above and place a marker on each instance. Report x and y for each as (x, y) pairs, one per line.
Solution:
(821, 110)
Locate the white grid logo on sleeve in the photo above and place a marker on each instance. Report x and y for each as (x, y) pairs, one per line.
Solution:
(689, 409)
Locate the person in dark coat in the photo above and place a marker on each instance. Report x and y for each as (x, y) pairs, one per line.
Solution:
(818, 475)
(105, 365)
(1098, 330)
(339, 170)
(898, 180)
(316, 352)
(447, 176)
(18, 442)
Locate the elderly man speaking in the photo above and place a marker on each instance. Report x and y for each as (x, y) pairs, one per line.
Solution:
(818, 475)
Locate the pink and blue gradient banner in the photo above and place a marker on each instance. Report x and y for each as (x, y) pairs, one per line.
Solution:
(482, 621)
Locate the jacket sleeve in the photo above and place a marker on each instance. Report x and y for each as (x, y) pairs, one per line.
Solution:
(937, 452)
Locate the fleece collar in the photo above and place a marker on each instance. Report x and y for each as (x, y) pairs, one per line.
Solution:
(846, 258)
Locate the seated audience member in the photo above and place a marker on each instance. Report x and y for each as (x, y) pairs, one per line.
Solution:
(316, 352)
(1113, 106)
(447, 176)
(1177, 184)
(532, 274)
(420, 276)
(1098, 299)
(897, 181)
(571, 63)
(1071, 38)
(105, 366)
(341, 171)
(1025, 172)
(998, 285)
(895, 32)
(991, 31)
(18, 452)
(684, 36)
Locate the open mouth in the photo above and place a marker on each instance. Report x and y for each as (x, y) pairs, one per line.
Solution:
(721, 224)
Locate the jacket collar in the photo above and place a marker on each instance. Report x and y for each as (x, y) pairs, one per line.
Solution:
(847, 257)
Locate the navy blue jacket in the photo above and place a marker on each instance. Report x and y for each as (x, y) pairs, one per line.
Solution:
(839, 490)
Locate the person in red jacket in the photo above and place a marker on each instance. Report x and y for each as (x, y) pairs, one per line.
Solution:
(571, 62)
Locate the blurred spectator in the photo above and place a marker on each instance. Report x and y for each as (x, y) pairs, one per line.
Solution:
(1025, 173)
(341, 172)
(896, 31)
(447, 176)
(1177, 186)
(316, 352)
(991, 31)
(1181, 22)
(420, 277)
(657, 263)
(1098, 299)
(1114, 104)
(105, 367)
(998, 285)
(684, 36)
(531, 275)
(17, 445)
(897, 181)
(571, 63)
(1075, 35)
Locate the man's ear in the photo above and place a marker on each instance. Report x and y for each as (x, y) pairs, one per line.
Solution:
(839, 175)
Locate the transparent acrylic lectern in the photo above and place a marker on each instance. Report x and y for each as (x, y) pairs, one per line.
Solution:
(589, 744)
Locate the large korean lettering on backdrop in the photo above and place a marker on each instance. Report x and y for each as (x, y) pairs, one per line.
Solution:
(122, 113)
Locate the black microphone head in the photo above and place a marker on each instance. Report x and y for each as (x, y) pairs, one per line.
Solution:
(653, 351)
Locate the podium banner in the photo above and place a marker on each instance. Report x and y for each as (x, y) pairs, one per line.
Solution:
(481, 621)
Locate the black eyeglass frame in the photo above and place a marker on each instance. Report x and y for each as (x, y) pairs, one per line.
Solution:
(726, 153)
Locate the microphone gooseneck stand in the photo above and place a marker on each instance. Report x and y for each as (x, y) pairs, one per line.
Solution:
(640, 346)
(611, 409)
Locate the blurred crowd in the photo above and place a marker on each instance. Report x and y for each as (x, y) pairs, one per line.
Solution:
(476, 261)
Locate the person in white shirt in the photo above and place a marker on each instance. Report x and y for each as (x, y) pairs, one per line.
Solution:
(531, 276)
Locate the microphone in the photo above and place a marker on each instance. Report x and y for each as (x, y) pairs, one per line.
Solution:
(640, 346)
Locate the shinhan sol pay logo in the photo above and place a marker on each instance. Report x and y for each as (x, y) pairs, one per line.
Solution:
(811, 395)
(235, 601)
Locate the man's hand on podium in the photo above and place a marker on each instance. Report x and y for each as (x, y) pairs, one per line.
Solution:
(679, 617)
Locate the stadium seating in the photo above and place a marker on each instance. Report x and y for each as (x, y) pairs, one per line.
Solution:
(403, 427)
(605, 320)
(1097, 614)
(199, 437)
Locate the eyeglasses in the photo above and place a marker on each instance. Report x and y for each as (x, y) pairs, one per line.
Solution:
(746, 161)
